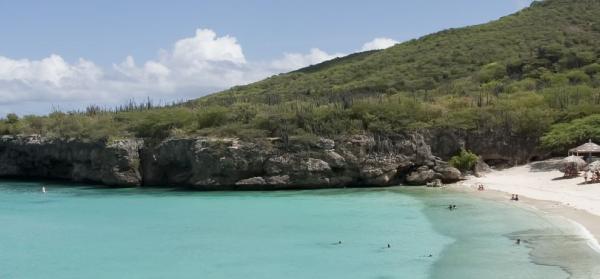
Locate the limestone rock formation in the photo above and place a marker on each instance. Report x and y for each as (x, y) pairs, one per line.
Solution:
(115, 163)
(227, 163)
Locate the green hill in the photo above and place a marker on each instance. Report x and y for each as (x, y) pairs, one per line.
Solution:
(525, 75)
(552, 35)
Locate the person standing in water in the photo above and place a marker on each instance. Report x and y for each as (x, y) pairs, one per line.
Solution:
(43, 189)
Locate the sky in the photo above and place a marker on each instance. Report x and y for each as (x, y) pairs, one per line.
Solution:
(69, 54)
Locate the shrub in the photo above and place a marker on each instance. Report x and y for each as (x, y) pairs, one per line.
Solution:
(464, 161)
(12, 118)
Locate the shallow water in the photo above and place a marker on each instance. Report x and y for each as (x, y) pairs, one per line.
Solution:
(84, 232)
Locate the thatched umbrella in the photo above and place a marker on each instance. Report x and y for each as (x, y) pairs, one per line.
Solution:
(594, 166)
(586, 149)
(573, 163)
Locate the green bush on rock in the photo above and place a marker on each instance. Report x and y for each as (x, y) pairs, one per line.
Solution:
(464, 161)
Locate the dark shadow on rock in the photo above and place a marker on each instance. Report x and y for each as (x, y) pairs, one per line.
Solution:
(543, 166)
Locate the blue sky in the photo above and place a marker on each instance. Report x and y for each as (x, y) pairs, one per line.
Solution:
(73, 53)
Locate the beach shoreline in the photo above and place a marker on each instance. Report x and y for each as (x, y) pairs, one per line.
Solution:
(545, 191)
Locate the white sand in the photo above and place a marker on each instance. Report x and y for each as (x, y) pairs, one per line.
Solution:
(538, 181)
(542, 186)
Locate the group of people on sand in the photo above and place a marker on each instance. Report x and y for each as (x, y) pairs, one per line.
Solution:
(571, 171)
(595, 176)
(514, 197)
(480, 187)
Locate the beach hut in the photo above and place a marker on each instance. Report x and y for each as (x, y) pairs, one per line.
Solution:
(589, 149)
(572, 165)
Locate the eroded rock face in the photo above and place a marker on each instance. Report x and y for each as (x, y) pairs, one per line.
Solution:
(498, 147)
(115, 164)
(428, 174)
(421, 176)
(229, 164)
(448, 174)
(481, 167)
(202, 163)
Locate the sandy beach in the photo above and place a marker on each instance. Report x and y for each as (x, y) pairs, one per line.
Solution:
(542, 186)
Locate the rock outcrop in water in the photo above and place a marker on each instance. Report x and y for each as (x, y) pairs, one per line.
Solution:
(228, 164)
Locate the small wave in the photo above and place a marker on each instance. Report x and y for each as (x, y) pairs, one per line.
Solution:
(586, 234)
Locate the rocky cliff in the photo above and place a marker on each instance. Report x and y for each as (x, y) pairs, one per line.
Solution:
(495, 147)
(115, 164)
(228, 164)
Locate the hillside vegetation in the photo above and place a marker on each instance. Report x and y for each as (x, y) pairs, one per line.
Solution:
(529, 75)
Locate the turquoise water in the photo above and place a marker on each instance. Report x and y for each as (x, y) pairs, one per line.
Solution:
(85, 232)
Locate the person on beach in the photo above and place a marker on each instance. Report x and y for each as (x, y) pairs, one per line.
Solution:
(585, 176)
(516, 197)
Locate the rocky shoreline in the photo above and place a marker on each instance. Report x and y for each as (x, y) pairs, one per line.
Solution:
(204, 163)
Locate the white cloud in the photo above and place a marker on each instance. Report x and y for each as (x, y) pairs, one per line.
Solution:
(204, 60)
(293, 61)
(379, 43)
(52, 70)
(206, 46)
(192, 67)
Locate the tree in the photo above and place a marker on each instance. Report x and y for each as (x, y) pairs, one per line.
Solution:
(12, 118)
